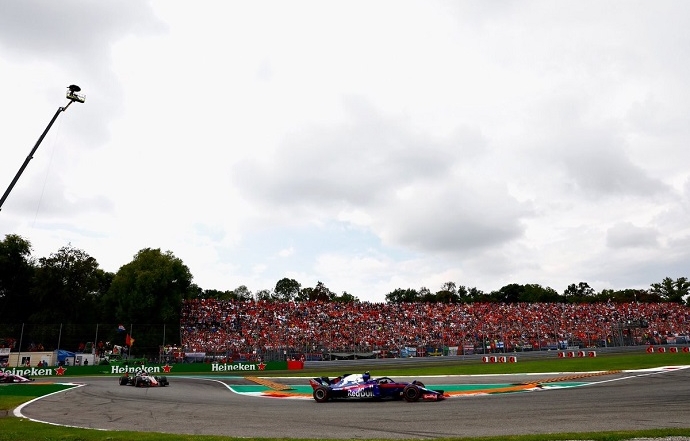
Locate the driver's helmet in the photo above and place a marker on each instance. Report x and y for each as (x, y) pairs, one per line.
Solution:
(366, 376)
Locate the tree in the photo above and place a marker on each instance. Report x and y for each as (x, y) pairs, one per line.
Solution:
(287, 289)
(320, 292)
(463, 294)
(150, 290)
(265, 294)
(16, 277)
(580, 293)
(323, 293)
(424, 293)
(672, 291)
(305, 294)
(427, 297)
(475, 294)
(534, 293)
(66, 297)
(509, 293)
(215, 294)
(450, 287)
(447, 294)
(69, 287)
(400, 295)
(242, 293)
(627, 296)
(346, 297)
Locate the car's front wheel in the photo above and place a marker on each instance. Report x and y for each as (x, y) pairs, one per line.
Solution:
(411, 393)
(321, 394)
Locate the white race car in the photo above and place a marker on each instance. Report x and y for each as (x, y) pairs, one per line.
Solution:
(143, 379)
(7, 377)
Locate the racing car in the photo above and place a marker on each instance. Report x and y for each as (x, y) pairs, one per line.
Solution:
(143, 379)
(363, 386)
(6, 377)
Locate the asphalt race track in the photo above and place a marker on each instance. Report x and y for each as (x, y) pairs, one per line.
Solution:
(624, 401)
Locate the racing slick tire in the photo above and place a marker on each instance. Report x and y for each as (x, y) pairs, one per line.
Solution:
(123, 381)
(418, 383)
(411, 393)
(321, 394)
(163, 381)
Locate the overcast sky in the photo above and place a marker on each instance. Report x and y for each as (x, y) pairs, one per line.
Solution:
(369, 145)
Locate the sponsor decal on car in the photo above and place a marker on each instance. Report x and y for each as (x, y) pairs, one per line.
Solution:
(360, 393)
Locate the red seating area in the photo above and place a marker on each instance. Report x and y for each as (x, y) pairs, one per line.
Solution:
(256, 327)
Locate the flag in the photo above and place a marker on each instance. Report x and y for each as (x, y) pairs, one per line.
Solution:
(121, 328)
(129, 341)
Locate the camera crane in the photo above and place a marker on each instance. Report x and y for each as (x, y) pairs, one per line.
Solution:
(73, 95)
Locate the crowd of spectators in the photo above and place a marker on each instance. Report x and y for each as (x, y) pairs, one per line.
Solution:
(257, 327)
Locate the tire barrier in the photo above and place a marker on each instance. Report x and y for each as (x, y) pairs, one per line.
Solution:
(662, 349)
(576, 354)
(499, 359)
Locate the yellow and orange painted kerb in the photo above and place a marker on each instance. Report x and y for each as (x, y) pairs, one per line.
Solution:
(269, 388)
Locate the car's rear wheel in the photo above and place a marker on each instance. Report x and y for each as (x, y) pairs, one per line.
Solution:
(321, 394)
(411, 393)
(123, 381)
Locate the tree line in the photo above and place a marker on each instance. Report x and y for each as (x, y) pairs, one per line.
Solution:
(668, 290)
(69, 287)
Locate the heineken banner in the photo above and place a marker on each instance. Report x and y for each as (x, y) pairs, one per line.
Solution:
(239, 368)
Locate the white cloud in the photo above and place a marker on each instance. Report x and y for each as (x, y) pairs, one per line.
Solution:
(627, 235)
(369, 146)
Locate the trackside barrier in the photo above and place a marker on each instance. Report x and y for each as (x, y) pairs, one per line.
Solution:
(237, 368)
(499, 359)
(672, 349)
(576, 354)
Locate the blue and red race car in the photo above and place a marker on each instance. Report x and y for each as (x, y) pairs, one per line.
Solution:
(363, 386)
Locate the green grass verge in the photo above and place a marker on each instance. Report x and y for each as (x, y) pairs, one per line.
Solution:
(13, 429)
(452, 366)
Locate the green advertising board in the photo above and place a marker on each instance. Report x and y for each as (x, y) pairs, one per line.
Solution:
(239, 368)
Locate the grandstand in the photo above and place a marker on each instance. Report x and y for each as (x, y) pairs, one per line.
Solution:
(315, 330)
